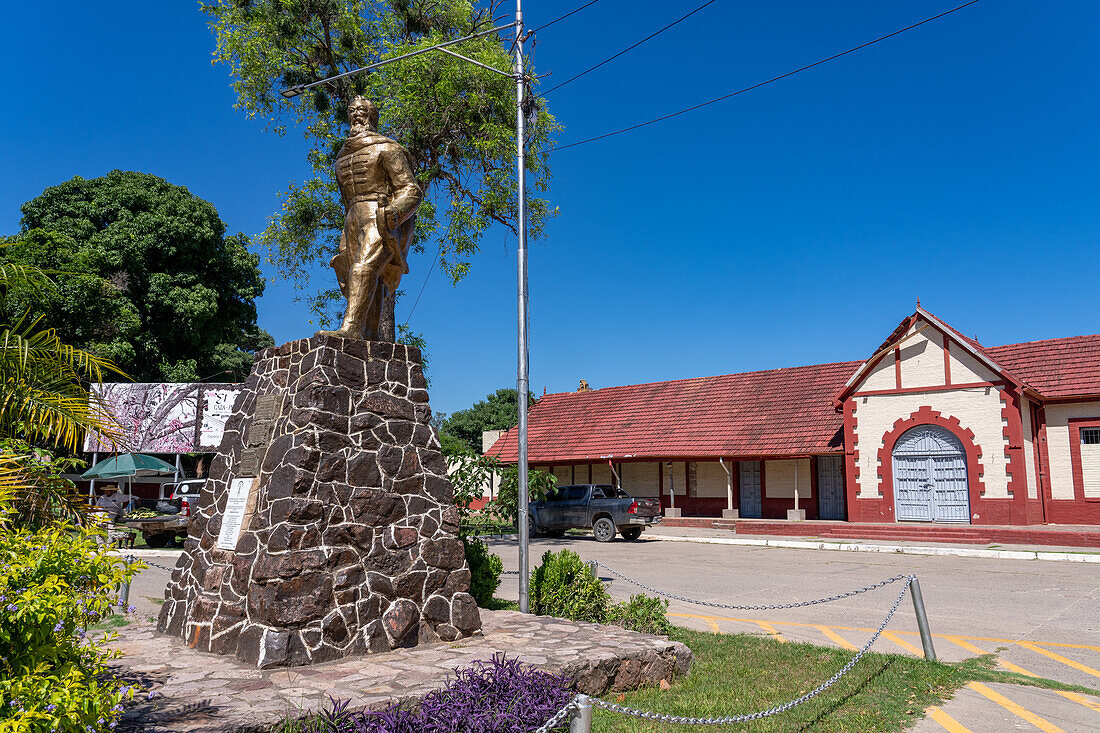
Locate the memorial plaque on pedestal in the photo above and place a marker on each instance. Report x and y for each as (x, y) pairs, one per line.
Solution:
(236, 509)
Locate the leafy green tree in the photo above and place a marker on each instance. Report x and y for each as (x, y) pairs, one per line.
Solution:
(43, 398)
(147, 277)
(461, 431)
(456, 119)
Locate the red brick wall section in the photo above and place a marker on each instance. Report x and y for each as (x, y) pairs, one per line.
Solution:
(1084, 510)
(988, 511)
(851, 463)
(1021, 511)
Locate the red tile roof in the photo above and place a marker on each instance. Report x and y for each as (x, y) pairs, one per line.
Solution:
(1056, 368)
(778, 412)
(770, 413)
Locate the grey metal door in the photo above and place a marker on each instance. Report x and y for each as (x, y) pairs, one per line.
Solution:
(830, 487)
(750, 489)
(930, 482)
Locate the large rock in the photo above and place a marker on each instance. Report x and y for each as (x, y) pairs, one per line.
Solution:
(349, 543)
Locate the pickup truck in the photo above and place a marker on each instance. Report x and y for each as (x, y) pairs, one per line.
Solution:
(604, 509)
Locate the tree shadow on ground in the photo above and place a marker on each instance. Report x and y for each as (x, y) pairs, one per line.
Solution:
(160, 713)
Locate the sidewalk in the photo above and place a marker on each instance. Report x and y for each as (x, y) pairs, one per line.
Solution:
(1003, 552)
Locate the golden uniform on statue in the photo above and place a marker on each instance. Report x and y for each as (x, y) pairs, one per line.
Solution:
(380, 196)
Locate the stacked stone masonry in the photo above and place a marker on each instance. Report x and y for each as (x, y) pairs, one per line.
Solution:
(350, 539)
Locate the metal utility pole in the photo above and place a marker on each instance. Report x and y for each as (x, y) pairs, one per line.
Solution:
(521, 371)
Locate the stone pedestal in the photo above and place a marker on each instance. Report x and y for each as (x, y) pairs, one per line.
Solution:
(348, 533)
(796, 515)
(731, 514)
(672, 512)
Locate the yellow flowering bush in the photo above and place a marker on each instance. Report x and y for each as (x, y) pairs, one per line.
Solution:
(55, 582)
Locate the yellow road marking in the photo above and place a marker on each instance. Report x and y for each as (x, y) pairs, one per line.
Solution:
(1014, 708)
(714, 626)
(1079, 699)
(1059, 658)
(946, 721)
(950, 637)
(770, 629)
(902, 643)
(958, 641)
(836, 638)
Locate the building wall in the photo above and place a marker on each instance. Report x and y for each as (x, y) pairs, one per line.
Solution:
(710, 480)
(1058, 450)
(640, 479)
(783, 476)
(679, 478)
(922, 363)
(976, 408)
(1027, 409)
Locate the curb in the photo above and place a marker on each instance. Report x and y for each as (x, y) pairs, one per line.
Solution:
(147, 553)
(893, 549)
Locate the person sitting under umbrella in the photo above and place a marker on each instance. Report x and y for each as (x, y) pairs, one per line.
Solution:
(113, 502)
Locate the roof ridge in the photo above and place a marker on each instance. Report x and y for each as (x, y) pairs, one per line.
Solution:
(1045, 341)
(712, 376)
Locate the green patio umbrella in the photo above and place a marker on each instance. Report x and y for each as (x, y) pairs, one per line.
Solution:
(129, 464)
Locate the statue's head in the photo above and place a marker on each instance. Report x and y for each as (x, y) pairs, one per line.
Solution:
(363, 113)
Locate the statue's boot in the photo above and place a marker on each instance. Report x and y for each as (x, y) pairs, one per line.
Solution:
(355, 317)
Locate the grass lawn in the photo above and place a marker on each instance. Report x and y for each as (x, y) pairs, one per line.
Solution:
(736, 674)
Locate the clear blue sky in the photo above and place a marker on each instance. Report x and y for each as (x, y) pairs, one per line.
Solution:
(795, 224)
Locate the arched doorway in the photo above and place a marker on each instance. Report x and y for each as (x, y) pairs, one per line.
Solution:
(930, 483)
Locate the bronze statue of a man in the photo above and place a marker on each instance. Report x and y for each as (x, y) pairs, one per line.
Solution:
(380, 195)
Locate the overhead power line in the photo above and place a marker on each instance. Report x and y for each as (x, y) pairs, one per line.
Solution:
(563, 17)
(628, 48)
(768, 81)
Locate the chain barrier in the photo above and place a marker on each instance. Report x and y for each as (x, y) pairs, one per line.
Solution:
(774, 607)
(152, 564)
(681, 720)
(558, 718)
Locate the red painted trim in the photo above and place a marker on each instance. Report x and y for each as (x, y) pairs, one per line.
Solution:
(863, 370)
(1035, 411)
(918, 390)
(851, 460)
(814, 499)
(897, 365)
(735, 474)
(661, 485)
(1015, 465)
(1074, 398)
(1075, 425)
(990, 511)
(946, 359)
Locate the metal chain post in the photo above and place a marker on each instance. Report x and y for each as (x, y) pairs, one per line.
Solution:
(582, 719)
(681, 720)
(922, 618)
(124, 586)
(558, 717)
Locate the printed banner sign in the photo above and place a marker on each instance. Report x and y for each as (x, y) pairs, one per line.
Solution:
(164, 417)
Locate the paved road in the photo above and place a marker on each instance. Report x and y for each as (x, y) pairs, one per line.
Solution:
(1043, 618)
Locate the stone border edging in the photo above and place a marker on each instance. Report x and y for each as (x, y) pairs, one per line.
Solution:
(898, 549)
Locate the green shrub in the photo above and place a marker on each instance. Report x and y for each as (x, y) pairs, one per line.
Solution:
(563, 586)
(485, 570)
(54, 583)
(641, 613)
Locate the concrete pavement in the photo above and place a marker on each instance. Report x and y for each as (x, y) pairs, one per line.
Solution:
(1040, 617)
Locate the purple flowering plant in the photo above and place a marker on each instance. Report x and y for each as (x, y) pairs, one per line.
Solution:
(499, 696)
